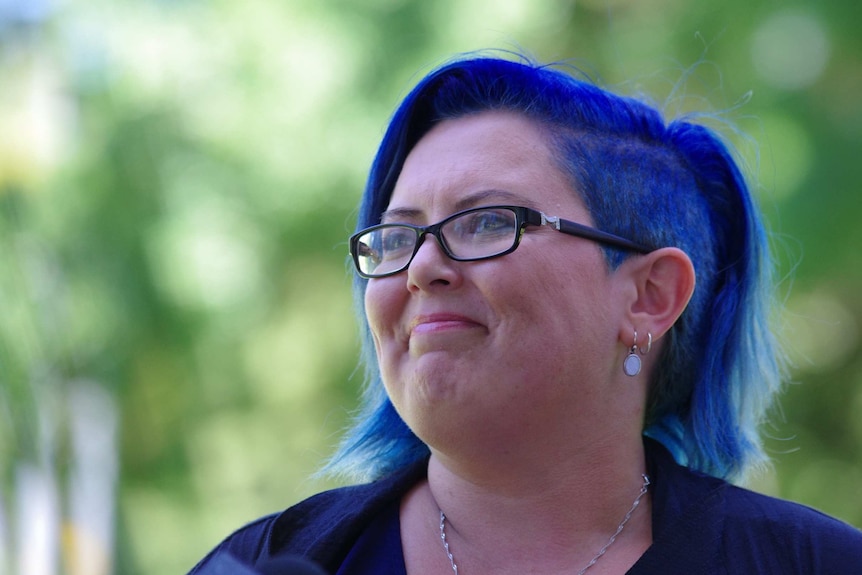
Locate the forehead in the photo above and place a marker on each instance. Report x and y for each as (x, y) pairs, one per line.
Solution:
(490, 157)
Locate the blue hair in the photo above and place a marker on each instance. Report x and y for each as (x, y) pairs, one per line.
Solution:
(657, 183)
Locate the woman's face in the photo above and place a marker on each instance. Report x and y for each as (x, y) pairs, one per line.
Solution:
(527, 342)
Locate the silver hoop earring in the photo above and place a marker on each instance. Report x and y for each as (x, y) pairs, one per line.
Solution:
(648, 344)
(632, 363)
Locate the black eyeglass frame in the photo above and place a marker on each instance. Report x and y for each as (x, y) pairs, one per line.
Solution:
(523, 217)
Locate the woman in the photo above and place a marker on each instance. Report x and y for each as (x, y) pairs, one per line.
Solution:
(568, 356)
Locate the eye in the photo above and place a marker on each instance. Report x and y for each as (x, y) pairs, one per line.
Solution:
(484, 223)
(395, 240)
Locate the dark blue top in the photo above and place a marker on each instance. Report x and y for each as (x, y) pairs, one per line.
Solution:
(701, 525)
(378, 550)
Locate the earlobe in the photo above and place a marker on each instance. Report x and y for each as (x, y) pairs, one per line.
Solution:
(664, 281)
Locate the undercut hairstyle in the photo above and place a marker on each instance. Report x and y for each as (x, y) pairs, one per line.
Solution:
(656, 182)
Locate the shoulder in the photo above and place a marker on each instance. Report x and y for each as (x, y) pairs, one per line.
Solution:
(763, 534)
(778, 536)
(785, 525)
(721, 528)
(322, 528)
(246, 544)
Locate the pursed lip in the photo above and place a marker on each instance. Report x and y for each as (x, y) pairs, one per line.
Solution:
(436, 322)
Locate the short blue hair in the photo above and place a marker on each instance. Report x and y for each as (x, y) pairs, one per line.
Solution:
(658, 183)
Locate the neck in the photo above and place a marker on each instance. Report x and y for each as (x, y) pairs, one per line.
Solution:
(570, 509)
(548, 471)
(626, 518)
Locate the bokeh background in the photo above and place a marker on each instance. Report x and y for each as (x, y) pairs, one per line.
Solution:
(178, 178)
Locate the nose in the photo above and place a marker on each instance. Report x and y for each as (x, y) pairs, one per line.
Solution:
(431, 267)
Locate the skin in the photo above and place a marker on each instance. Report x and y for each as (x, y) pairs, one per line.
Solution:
(510, 368)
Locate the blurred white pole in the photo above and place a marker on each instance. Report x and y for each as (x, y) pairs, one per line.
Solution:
(5, 543)
(51, 528)
(38, 518)
(93, 420)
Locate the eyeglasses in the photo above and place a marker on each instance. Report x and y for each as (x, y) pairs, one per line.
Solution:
(474, 234)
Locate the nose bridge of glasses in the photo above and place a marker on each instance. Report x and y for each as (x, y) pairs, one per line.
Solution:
(435, 231)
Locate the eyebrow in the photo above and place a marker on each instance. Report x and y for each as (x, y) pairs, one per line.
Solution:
(467, 202)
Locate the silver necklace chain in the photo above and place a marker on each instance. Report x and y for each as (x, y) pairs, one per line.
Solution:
(592, 562)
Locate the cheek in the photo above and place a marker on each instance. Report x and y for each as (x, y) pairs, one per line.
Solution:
(563, 310)
(384, 304)
(381, 308)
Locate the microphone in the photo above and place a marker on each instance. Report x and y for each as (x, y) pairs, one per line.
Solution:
(227, 564)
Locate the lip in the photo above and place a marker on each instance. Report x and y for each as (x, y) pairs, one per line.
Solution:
(438, 322)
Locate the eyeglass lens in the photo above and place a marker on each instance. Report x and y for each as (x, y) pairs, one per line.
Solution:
(471, 235)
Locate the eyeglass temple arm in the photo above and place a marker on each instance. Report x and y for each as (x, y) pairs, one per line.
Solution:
(580, 230)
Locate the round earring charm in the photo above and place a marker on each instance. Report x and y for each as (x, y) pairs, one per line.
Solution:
(632, 364)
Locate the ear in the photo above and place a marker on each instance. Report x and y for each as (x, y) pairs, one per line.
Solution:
(663, 282)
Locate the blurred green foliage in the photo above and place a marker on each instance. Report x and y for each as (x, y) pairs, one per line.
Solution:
(177, 181)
